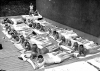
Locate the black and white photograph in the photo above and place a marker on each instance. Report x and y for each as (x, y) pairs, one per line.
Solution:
(49, 35)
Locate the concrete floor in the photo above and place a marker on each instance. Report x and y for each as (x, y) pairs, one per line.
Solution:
(9, 57)
(10, 62)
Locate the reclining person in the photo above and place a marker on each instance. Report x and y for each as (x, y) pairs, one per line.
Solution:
(33, 51)
(49, 58)
(7, 20)
(15, 38)
(42, 28)
(38, 26)
(63, 40)
(8, 28)
(56, 36)
(27, 46)
(22, 39)
(11, 31)
(4, 20)
(83, 51)
(6, 25)
(75, 47)
(36, 13)
(33, 24)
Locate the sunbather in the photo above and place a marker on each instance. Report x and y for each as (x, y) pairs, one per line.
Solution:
(51, 58)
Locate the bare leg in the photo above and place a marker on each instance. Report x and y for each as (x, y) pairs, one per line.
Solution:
(93, 51)
(64, 56)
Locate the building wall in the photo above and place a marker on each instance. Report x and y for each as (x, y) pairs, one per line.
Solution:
(83, 15)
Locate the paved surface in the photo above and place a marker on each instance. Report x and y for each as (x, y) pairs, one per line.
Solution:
(9, 56)
(10, 62)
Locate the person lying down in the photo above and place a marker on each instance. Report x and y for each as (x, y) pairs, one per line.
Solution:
(49, 58)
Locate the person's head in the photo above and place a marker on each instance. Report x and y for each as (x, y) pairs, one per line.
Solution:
(5, 19)
(81, 46)
(21, 36)
(38, 26)
(75, 44)
(9, 28)
(30, 25)
(69, 43)
(24, 19)
(63, 39)
(34, 45)
(17, 38)
(31, 4)
(34, 33)
(40, 58)
(27, 44)
(34, 48)
(54, 32)
(6, 25)
(34, 25)
(57, 35)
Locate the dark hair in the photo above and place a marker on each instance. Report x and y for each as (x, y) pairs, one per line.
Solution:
(75, 44)
(34, 44)
(5, 19)
(34, 48)
(40, 56)
(34, 33)
(63, 39)
(54, 32)
(30, 25)
(38, 25)
(81, 46)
